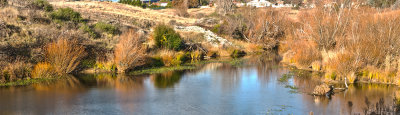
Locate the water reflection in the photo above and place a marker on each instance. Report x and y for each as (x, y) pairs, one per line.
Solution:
(214, 88)
(167, 79)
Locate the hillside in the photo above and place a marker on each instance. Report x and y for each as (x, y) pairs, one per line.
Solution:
(127, 14)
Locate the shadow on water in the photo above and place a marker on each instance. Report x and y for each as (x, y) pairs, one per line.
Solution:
(259, 85)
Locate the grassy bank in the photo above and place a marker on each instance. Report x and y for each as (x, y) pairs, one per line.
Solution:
(188, 66)
(161, 70)
(27, 82)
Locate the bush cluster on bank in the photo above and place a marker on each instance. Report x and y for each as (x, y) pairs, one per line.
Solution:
(359, 44)
(166, 37)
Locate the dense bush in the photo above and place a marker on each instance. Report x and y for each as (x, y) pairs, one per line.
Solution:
(166, 37)
(104, 27)
(64, 55)
(66, 14)
(129, 52)
(263, 26)
(42, 4)
(348, 41)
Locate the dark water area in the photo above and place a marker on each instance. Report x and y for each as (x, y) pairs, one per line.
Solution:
(255, 87)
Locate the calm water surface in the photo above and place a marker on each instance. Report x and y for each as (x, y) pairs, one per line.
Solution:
(214, 88)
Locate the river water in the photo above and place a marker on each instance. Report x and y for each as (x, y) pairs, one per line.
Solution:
(252, 87)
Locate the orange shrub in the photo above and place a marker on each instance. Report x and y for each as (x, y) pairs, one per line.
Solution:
(43, 70)
(129, 52)
(305, 53)
(64, 55)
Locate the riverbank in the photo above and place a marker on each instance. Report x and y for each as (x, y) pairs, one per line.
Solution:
(329, 78)
(213, 83)
(144, 71)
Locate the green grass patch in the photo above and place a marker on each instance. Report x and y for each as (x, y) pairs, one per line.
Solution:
(234, 62)
(161, 70)
(186, 66)
(285, 78)
(26, 82)
(104, 27)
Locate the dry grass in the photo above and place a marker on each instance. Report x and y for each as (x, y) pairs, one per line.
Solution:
(123, 12)
(16, 71)
(173, 58)
(64, 55)
(167, 57)
(9, 14)
(349, 38)
(196, 56)
(305, 53)
(129, 52)
(43, 70)
(344, 63)
(266, 26)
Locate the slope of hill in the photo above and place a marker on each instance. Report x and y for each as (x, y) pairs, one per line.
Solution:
(127, 14)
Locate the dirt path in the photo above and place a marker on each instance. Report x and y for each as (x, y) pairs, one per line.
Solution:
(124, 13)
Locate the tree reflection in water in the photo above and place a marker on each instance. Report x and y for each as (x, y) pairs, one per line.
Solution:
(212, 88)
(166, 80)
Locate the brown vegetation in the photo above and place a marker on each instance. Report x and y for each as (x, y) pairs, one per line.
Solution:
(64, 55)
(17, 70)
(129, 52)
(43, 70)
(305, 53)
(349, 39)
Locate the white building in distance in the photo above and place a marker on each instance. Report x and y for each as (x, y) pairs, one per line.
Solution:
(259, 3)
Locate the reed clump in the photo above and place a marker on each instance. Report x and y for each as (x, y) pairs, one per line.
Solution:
(64, 55)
